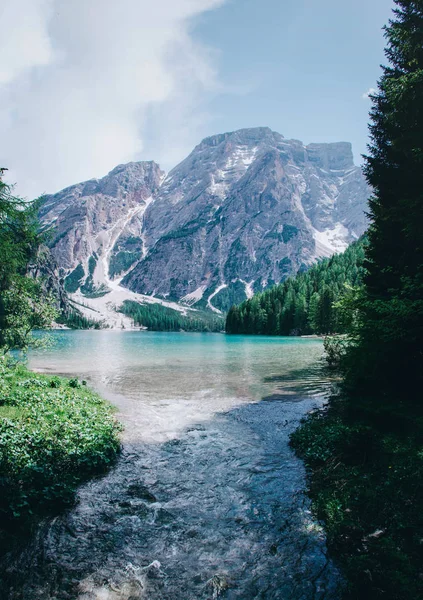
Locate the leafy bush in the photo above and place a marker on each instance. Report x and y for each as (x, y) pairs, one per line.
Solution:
(54, 433)
(367, 488)
(335, 349)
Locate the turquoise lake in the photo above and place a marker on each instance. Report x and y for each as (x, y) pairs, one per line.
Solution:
(189, 376)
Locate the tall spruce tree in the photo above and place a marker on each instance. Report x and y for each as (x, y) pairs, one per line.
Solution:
(389, 355)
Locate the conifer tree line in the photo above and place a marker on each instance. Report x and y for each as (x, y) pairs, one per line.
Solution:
(156, 317)
(74, 319)
(304, 304)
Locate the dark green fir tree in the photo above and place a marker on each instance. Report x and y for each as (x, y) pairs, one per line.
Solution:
(387, 362)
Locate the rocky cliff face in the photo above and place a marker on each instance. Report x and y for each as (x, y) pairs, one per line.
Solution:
(242, 211)
(93, 222)
(45, 270)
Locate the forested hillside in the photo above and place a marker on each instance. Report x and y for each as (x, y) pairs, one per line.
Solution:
(304, 304)
(156, 317)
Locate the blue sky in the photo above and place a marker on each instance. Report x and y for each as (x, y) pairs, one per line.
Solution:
(301, 66)
(101, 83)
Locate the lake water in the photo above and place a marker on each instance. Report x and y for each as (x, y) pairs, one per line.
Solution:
(207, 499)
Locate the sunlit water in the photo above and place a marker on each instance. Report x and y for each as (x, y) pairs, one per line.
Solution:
(207, 499)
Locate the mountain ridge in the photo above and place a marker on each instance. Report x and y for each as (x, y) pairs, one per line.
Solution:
(243, 210)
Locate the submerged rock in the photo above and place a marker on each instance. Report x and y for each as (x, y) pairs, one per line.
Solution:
(217, 585)
(139, 490)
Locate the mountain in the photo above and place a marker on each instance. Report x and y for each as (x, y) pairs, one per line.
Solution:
(243, 211)
(98, 216)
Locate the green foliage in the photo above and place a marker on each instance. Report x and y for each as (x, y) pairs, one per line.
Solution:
(392, 303)
(19, 237)
(54, 433)
(74, 279)
(336, 347)
(161, 318)
(366, 487)
(26, 308)
(305, 304)
(23, 306)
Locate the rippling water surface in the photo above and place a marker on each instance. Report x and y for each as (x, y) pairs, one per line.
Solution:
(207, 499)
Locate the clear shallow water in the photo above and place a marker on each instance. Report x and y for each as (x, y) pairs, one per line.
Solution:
(207, 499)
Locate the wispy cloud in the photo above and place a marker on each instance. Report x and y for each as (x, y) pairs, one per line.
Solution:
(80, 81)
(370, 92)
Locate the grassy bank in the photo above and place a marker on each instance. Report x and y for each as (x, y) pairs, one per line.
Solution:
(54, 433)
(366, 485)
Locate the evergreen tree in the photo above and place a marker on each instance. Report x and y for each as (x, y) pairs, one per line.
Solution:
(23, 305)
(389, 353)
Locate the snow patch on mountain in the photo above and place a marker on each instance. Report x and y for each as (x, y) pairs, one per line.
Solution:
(331, 241)
(242, 156)
(210, 298)
(105, 309)
(249, 292)
(194, 296)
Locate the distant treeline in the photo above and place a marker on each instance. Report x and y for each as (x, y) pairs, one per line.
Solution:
(76, 320)
(161, 318)
(304, 304)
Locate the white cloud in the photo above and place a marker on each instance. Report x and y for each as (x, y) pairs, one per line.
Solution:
(24, 41)
(370, 92)
(80, 80)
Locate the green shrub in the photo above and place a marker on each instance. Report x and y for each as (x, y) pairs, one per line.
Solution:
(367, 488)
(74, 383)
(54, 433)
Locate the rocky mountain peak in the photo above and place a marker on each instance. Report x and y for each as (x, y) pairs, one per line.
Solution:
(249, 136)
(244, 210)
(131, 177)
(332, 157)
